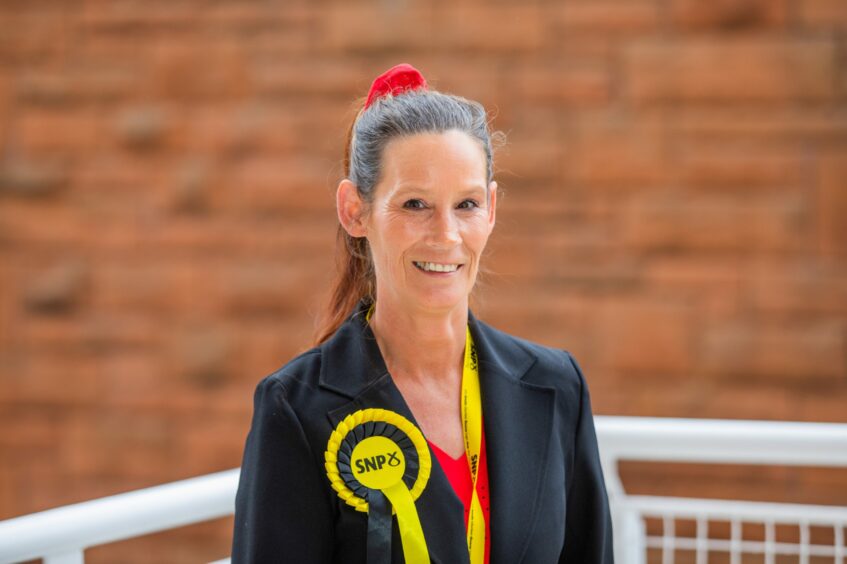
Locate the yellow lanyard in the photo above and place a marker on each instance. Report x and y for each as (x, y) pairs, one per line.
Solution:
(471, 405)
(472, 431)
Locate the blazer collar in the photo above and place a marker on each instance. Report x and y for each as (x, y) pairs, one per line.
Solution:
(351, 360)
(518, 420)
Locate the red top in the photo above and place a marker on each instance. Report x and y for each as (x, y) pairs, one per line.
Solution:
(459, 474)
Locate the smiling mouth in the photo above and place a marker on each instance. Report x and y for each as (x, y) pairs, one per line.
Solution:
(436, 266)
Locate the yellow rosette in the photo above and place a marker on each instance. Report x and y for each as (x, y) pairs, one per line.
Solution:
(379, 463)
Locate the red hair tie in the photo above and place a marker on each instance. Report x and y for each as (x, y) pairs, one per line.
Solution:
(396, 80)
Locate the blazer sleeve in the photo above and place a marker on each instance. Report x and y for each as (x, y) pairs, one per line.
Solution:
(588, 524)
(282, 513)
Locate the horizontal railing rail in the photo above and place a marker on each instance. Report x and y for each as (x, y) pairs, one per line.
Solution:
(60, 536)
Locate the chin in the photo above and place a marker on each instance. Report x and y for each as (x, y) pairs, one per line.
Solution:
(441, 301)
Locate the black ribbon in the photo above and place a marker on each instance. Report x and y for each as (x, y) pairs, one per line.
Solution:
(379, 508)
(379, 529)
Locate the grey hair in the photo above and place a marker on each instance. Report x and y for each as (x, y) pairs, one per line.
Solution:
(410, 113)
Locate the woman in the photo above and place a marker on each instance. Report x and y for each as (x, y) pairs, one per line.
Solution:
(509, 471)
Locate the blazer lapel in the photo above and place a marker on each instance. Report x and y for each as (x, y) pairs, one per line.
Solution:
(518, 419)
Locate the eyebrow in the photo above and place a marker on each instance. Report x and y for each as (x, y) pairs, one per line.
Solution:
(468, 190)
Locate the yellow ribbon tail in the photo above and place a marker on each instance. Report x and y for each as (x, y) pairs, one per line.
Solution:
(411, 533)
(476, 532)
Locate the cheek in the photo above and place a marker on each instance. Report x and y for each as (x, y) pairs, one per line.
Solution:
(391, 237)
(476, 236)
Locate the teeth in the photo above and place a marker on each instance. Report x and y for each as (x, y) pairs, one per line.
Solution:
(436, 267)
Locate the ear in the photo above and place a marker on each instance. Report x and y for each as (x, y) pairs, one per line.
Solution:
(492, 204)
(350, 208)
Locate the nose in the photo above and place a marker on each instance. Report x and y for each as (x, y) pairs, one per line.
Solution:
(444, 229)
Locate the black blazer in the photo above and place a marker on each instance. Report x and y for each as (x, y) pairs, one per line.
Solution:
(548, 498)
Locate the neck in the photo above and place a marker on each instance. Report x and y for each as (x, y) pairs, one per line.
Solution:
(418, 345)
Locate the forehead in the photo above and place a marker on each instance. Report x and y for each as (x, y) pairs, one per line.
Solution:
(427, 157)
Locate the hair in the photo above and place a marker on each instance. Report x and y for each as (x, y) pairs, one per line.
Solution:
(387, 118)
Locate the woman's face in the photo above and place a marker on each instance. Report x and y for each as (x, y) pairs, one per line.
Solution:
(429, 221)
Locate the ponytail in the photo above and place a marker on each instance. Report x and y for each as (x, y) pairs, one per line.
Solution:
(355, 277)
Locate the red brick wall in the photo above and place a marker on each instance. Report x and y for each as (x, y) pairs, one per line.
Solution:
(673, 214)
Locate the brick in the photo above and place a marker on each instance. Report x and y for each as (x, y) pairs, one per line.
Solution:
(36, 383)
(143, 439)
(733, 70)
(256, 17)
(82, 84)
(58, 289)
(832, 205)
(518, 28)
(202, 355)
(606, 17)
(801, 355)
(481, 80)
(7, 84)
(238, 130)
(272, 41)
(301, 79)
(675, 222)
(614, 150)
(124, 17)
(629, 328)
(714, 284)
(527, 158)
(375, 27)
(563, 85)
(264, 185)
(143, 127)
(742, 397)
(210, 444)
(28, 430)
(263, 290)
(528, 252)
(192, 186)
(261, 345)
(300, 234)
(31, 178)
(802, 287)
(826, 14)
(35, 35)
(51, 227)
(555, 318)
(62, 132)
(618, 156)
(91, 334)
(104, 185)
(587, 47)
(133, 377)
(729, 15)
(728, 168)
(824, 407)
(784, 127)
(181, 71)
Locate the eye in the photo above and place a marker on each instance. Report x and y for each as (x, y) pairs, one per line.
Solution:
(414, 204)
(468, 204)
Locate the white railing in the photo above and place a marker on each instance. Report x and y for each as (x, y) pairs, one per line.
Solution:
(719, 441)
(60, 536)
